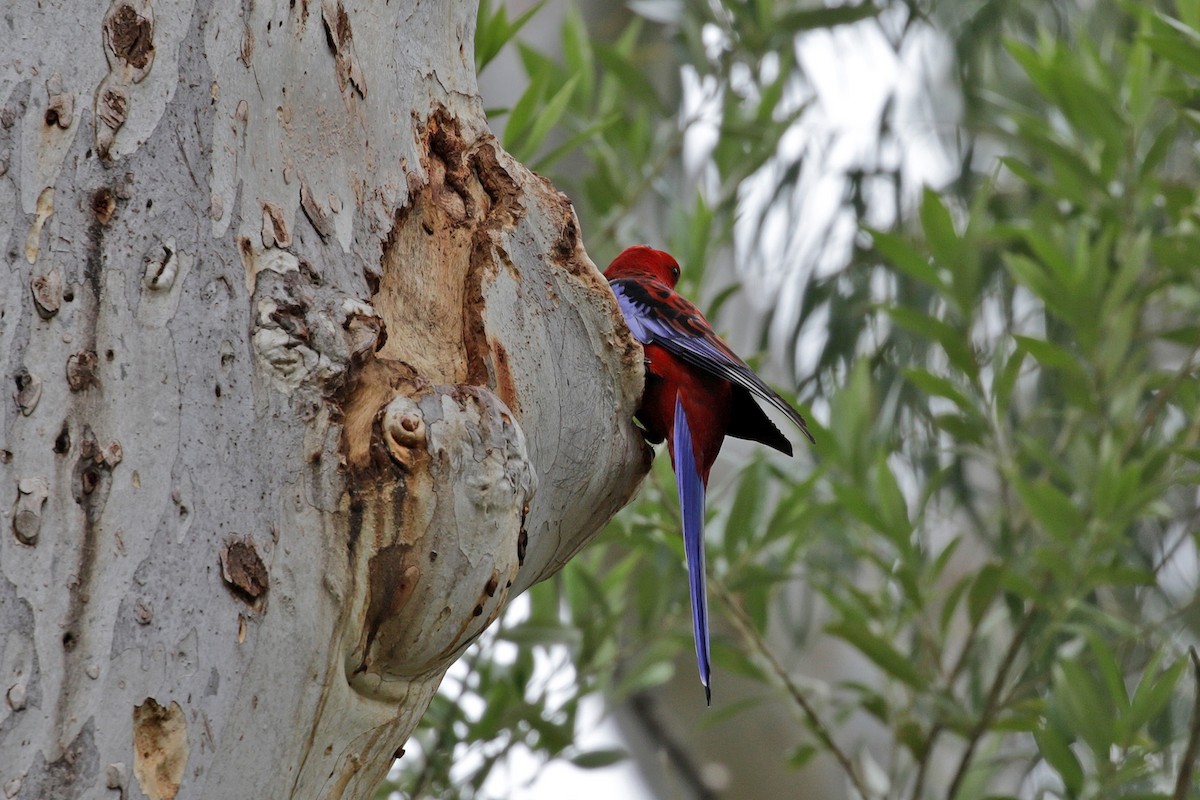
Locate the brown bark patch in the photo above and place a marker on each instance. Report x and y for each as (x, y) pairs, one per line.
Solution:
(47, 293)
(504, 195)
(439, 256)
(429, 264)
(566, 246)
(316, 213)
(81, 370)
(160, 748)
(104, 205)
(502, 377)
(130, 37)
(243, 570)
(392, 578)
(274, 227)
(340, 37)
(29, 390)
(367, 395)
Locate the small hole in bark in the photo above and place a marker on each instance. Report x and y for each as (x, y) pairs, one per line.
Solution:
(68, 641)
(62, 443)
(108, 355)
(183, 512)
(68, 294)
(51, 116)
(478, 610)
(89, 153)
(149, 204)
(90, 479)
(433, 555)
(217, 390)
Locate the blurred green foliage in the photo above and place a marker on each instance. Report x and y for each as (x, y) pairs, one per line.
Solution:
(1001, 517)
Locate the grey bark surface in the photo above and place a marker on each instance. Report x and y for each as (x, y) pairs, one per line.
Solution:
(307, 379)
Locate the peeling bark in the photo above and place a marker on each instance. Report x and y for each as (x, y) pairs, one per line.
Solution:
(309, 378)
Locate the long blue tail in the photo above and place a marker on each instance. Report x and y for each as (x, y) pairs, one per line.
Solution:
(691, 503)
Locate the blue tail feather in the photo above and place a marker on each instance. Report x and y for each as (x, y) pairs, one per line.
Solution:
(691, 504)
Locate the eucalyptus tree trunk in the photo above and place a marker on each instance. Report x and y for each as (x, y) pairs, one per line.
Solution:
(308, 379)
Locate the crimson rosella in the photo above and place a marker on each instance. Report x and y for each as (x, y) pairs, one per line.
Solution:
(697, 392)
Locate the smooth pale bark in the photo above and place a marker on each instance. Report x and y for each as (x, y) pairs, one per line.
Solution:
(308, 379)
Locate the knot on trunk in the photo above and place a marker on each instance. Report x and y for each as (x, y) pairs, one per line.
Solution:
(440, 527)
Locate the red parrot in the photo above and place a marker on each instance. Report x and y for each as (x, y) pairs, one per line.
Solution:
(697, 392)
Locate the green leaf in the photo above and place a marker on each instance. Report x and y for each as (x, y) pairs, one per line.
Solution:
(749, 507)
(531, 633)
(983, 590)
(1045, 285)
(810, 19)
(939, 231)
(1007, 380)
(1051, 356)
(880, 651)
(1176, 42)
(631, 78)
(904, 257)
(576, 141)
(892, 506)
(1151, 696)
(937, 386)
(1056, 752)
(854, 501)
(802, 755)
(1080, 700)
(493, 30)
(596, 759)
(1053, 509)
(645, 677)
(578, 55)
(1116, 698)
(524, 111)
(953, 341)
(950, 602)
(548, 116)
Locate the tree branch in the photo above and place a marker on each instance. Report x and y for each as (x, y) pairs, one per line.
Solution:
(642, 706)
(1188, 764)
(992, 704)
(754, 639)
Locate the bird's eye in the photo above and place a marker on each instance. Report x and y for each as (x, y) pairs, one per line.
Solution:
(675, 272)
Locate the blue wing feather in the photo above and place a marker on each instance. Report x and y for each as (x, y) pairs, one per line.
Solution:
(691, 503)
(682, 330)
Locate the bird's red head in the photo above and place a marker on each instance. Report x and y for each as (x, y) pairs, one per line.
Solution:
(643, 260)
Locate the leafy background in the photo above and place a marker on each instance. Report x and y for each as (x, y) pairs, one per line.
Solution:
(996, 533)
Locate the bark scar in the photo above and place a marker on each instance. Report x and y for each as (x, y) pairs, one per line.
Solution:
(340, 37)
(160, 748)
